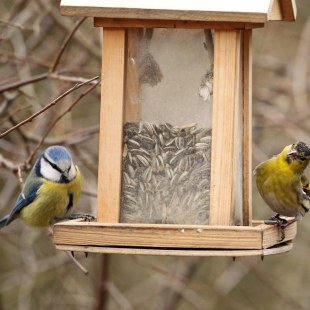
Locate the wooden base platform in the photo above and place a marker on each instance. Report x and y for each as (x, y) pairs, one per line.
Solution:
(180, 240)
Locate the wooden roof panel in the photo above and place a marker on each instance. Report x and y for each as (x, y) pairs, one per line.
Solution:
(257, 11)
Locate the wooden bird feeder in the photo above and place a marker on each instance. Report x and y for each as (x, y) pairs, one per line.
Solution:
(154, 129)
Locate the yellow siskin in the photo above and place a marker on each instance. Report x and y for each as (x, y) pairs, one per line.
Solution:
(282, 184)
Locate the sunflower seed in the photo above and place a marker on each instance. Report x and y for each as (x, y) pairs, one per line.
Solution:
(166, 173)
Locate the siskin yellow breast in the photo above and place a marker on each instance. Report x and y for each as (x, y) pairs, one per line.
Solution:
(279, 184)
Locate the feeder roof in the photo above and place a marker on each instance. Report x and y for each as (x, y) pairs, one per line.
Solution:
(251, 11)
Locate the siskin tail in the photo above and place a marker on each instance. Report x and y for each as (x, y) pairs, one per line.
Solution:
(3, 221)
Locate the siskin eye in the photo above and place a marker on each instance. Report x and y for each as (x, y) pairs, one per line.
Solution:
(302, 158)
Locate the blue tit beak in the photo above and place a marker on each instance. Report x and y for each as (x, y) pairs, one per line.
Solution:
(64, 177)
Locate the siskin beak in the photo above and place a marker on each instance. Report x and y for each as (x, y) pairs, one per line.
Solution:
(292, 152)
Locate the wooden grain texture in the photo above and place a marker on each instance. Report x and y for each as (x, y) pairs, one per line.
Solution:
(247, 127)
(169, 236)
(282, 248)
(224, 10)
(160, 23)
(272, 233)
(111, 125)
(289, 10)
(238, 137)
(275, 12)
(132, 97)
(224, 111)
(283, 10)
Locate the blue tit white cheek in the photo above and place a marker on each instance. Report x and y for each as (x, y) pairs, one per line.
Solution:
(48, 172)
(72, 172)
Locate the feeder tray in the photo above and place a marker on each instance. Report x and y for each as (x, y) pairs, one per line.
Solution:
(164, 239)
(231, 170)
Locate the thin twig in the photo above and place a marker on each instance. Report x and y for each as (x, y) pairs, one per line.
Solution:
(67, 78)
(185, 270)
(51, 104)
(65, 43)
(24, 59)
(16, 111)
(33, 79)
(90, 194)
(6, 163)
(74, 137)
(15, 25)
(76, 262)
(60, 116)
(103, 294)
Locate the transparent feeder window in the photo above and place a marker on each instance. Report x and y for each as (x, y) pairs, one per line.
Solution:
(167, 129)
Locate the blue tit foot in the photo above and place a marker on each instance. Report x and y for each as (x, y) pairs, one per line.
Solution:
(86, 217)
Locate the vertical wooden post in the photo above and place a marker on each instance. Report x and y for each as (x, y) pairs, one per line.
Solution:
(225, 118)
(247, 127)
(111, 125)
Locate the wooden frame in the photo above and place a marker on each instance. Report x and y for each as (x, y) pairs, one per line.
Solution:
(111, 125)
(156, 238)
(231, 231)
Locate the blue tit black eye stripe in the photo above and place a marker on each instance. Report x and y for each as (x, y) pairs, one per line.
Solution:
(53, 165)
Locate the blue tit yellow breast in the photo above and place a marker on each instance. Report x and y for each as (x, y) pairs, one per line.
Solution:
(51, 202)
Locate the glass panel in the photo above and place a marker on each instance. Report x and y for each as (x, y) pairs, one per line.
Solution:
(167, 130)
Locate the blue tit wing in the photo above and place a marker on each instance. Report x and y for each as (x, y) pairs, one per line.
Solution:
(3, 221)
(27, 196)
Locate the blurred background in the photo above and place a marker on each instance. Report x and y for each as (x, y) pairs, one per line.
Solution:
(33, 275)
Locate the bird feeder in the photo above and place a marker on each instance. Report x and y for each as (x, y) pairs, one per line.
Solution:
(174, 172)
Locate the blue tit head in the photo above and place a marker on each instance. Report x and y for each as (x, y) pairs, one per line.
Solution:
(55, 164)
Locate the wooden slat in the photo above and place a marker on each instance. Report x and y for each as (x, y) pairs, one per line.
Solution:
(275, 13)
(284, 247)
(289, 10)
(247, 127)
(168, 236)
(282, 10)
(160, 23)
(224, 10)
(272, 233)
(111, 125)
(225, 106)
(238, 138)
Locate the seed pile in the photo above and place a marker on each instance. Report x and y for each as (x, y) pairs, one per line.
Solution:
(166, 174)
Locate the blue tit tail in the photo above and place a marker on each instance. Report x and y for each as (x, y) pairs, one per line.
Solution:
(4, 221)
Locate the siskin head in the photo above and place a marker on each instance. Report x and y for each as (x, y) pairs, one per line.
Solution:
(297, 155)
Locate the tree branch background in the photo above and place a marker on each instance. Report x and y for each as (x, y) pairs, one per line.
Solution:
(49, 68)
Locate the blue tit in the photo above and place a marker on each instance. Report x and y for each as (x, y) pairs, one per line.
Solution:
(51, 190)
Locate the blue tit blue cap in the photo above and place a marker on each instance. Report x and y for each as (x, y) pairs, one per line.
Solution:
(58, 153)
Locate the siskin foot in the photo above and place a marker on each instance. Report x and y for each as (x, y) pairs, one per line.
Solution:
(282, 223)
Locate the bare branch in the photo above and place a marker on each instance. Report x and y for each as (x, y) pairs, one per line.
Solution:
(51, 104)
(36, 78)
(52, 125)
(66, 78)
(65, 43)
